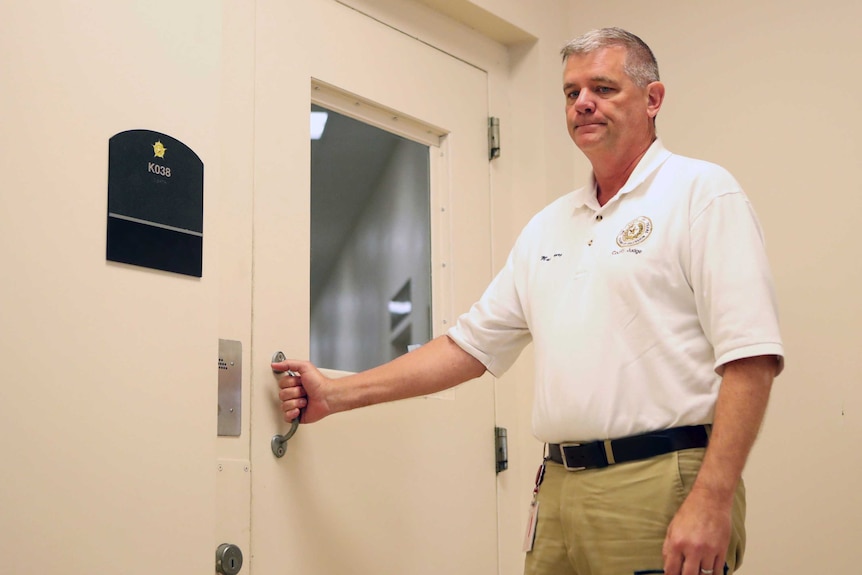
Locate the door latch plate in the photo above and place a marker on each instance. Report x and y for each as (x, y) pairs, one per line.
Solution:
(229, 387)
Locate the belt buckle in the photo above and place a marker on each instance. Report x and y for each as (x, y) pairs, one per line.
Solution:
(563, 447)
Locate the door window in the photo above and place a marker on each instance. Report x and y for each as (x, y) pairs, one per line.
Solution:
(370, 243)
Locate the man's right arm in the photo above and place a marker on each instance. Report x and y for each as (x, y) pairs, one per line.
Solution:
(437, 365)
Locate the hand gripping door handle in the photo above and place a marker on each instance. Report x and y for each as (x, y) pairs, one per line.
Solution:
(279, 442)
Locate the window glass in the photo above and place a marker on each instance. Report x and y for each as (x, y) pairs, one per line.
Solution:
(370, 243)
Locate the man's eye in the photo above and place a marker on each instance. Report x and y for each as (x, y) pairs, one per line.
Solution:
(573, 94)
(603, 90)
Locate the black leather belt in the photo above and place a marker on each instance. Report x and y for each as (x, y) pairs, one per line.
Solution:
(579, 456)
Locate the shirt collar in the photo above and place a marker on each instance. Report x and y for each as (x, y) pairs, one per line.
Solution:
(654, 157)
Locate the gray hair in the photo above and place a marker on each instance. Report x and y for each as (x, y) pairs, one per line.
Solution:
(641, 65)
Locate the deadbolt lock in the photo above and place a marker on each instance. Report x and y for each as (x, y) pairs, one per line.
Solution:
(228, 559)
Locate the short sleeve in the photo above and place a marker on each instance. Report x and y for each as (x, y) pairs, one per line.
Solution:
(732, 282)
(495, 331)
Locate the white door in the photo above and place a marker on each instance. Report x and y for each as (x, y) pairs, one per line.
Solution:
(402, 488)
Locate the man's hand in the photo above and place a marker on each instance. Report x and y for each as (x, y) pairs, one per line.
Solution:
(304, 394)
(698, 536)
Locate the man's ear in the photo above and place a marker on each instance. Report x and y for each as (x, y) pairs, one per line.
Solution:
(655, 97)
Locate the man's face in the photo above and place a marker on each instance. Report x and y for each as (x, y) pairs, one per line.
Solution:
(605, 110)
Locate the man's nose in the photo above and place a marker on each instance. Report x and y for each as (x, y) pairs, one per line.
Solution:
(584, 103)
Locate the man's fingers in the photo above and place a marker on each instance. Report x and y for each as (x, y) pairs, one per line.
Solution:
(281, 366)
(293, 392)
(286, 381)
(717, 565)
(672, 559)
(682, 560)
(292, 408)
(292, 365)
(677, 563)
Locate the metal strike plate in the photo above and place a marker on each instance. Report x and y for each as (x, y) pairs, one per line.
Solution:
(228, 559)
(229, 387)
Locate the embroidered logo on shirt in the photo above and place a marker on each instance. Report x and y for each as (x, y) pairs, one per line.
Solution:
(547, 259)
(636, 232)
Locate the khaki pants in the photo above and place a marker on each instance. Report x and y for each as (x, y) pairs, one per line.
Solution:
(613, 521)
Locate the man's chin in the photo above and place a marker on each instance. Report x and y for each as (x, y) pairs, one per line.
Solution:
(586, 142)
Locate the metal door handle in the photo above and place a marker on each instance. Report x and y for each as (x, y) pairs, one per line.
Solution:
(279, 442)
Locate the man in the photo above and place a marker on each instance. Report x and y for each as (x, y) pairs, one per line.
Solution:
(649, 300)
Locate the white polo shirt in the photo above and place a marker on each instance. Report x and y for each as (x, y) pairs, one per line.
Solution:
(634, 306)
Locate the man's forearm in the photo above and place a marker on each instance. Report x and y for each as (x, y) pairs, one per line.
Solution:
(437, 365)
(739, 412)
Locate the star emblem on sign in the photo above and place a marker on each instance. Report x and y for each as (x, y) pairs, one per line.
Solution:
(159, 149)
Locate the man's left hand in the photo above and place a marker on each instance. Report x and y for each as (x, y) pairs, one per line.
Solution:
(697, 538)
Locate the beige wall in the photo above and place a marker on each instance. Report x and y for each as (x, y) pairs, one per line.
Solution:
(107, 413)
(770, 91)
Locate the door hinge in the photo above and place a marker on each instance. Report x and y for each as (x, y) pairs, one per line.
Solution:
(493, 138)
(501, 447)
